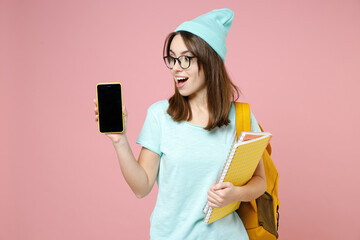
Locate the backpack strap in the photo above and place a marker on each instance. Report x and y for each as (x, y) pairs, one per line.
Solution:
(268, 148)
(243, 124)
(243, 119)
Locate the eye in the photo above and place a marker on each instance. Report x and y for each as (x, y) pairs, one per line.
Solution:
(170, 59)
(185, 59)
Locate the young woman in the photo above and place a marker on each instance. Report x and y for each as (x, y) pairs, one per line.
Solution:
(186, 139)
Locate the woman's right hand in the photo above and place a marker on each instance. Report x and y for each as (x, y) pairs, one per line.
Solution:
(115, 137)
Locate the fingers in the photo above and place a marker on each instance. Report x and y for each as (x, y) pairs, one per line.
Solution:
(215, 198)
(96, 111)
(215, 203)
(125, 116)
(222, 185)
(218, 194)
(125, 113)
(96, 107)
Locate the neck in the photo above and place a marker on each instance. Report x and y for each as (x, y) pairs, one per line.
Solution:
(199, 100)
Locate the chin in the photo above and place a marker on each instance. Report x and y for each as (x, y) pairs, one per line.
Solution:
(184, 93)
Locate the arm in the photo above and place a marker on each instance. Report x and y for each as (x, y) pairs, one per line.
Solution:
(222, 194)
(140, 175)
(255, 187)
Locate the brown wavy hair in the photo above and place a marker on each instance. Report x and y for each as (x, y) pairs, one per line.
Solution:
(220, 89)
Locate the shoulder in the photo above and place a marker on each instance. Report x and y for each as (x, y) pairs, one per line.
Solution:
(254, 124)
(159, 107)
(158, 110)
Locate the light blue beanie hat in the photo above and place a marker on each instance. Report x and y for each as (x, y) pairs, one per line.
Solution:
(213, 27)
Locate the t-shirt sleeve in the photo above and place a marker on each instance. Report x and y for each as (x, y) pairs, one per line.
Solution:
(254, 124)
(150, 135)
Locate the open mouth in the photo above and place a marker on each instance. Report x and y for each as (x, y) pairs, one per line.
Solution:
(181, 81)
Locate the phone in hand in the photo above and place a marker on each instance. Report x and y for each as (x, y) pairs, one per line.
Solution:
(109, 102)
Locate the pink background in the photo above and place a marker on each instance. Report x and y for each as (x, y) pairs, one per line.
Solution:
(296, 62)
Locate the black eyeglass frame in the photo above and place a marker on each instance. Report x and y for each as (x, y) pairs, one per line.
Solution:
(177, 59)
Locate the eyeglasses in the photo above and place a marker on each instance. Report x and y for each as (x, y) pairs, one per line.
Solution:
(184, 61)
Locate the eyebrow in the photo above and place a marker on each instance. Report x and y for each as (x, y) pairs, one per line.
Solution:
(187, 51)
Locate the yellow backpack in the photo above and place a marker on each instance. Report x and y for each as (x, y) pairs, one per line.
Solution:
(260, 216)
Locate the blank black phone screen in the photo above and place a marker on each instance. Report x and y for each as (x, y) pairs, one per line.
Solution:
(110, 108)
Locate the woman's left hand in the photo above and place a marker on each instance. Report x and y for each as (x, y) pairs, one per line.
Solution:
(221, 194)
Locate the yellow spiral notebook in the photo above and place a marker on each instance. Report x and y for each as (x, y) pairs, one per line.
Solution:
(239, 168)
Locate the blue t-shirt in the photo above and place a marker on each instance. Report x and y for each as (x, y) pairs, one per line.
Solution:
(191, 160)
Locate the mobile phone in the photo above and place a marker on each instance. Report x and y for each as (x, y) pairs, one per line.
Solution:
(109, 101)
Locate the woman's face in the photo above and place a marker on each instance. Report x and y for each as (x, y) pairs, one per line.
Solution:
(190, 82)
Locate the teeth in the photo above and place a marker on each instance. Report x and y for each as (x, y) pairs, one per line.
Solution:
(181, 78)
